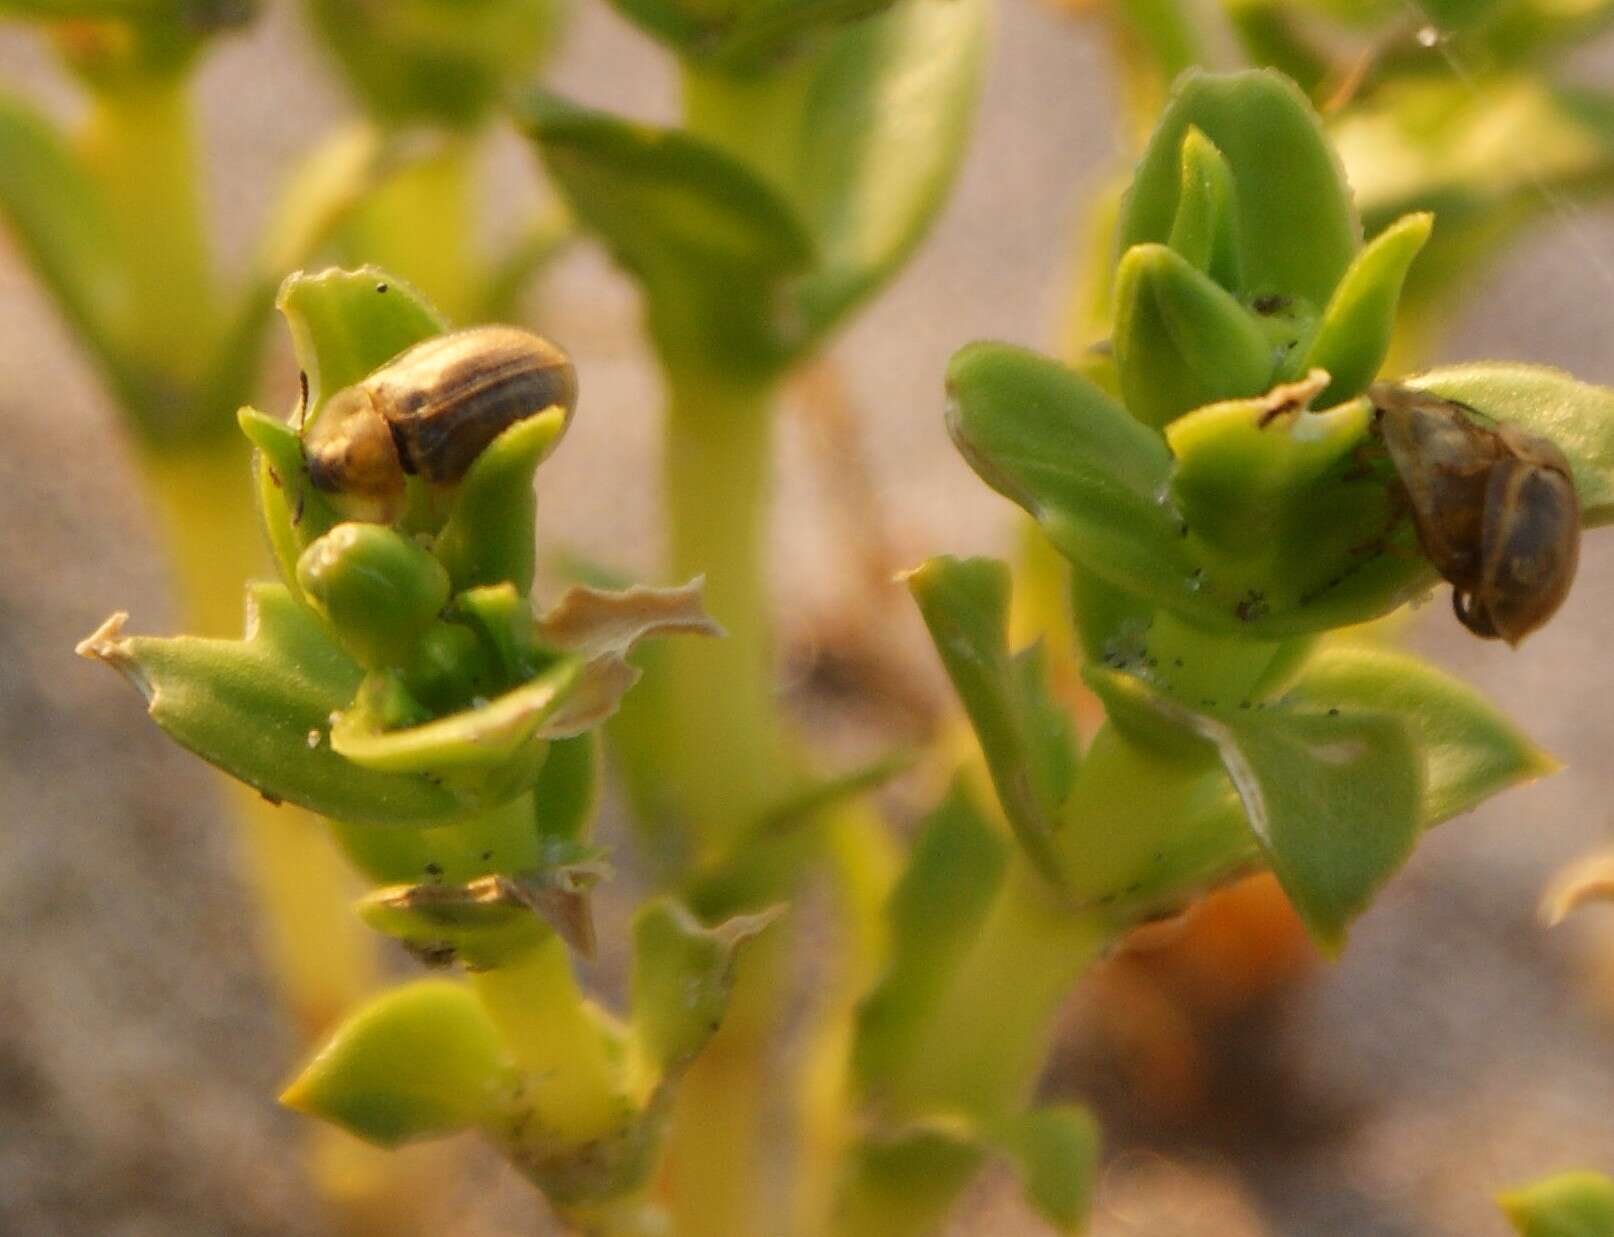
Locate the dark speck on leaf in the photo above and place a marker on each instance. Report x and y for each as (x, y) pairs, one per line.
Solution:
(433, 869)
(381, 287)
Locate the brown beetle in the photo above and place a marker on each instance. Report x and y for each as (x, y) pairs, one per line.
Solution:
(1495, 509)
(430, 411)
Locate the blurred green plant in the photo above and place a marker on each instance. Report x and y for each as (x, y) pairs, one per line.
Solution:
(1576, 1204)
(818, 143)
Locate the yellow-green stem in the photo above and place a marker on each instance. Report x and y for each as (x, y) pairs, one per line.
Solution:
(983, 1049)
(724, 760)
(138, 140)
(554, 1034)
(981, 1053)
(716, 1164)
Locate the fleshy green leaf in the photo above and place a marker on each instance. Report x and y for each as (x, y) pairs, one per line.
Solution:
(1027, 744)
(1090, 474)
(568, 788)
(1577, 416)
(1334, 797)
(346, 323)
(1055, 1153)
(1575, 1204)
(1353, 337)
(1470, 749)
(420, 1061)
(490, 534)
(1297, 230)
(884, 127)
(710, 244)
(1279, 511)
(251, 707)
(59, 218)
(954, 872)
(295, 514)
(1205, 229)
(1182, 341)
(682, 973)
(1334, 800)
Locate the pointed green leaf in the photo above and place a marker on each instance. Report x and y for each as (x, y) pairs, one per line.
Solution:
(346, 323)
(1181, 341)
(295, 514)
(710, 243)
(1575, 1204)
(420, 1061)
(1205, 229)
(1577, 416)
(1353, 337)
(1334, 799)
(884, 127)
(1298, 230)
(953, 875)
(1334, 796)
(1279, 509)
(252, 707)
(1470, 749)
(682, 973)
(567, 791)
(59, 218)
(1090, 474)
(1055, 1153)
(965, 604)
(490, 535)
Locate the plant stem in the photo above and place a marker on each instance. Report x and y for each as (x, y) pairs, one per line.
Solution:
(980, 1056)
(550, 1029)
(138, 140)
(984, 1046)
(724, 761)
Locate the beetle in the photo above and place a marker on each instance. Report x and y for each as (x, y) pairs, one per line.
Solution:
(429, 412)
(1495, 509)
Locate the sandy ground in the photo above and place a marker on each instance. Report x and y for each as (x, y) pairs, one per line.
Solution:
(1456, 1048)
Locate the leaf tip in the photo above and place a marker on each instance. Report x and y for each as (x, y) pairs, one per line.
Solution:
(108, 645)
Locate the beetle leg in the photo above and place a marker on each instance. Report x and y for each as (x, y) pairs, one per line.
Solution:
(1472, 616)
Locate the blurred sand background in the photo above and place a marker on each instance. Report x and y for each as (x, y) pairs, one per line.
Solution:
(1456, 1049)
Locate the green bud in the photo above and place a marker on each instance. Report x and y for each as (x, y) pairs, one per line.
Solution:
(1297, 226)
(1181, 340)
(378, 589)
(1205, 229)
